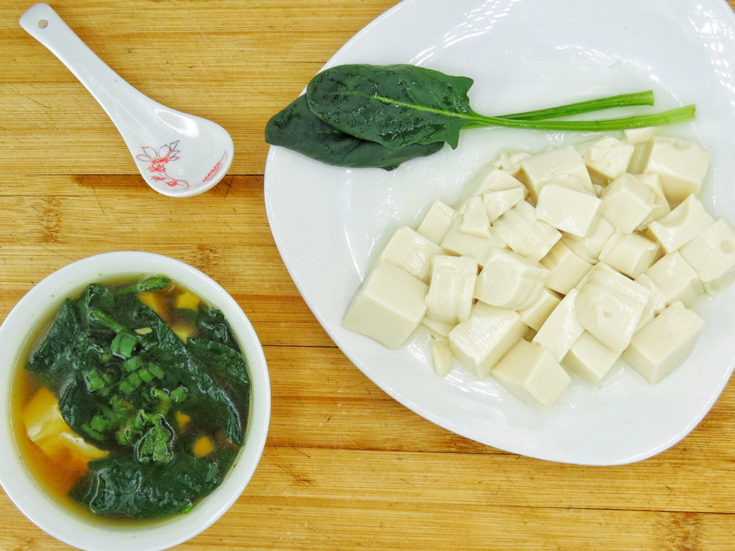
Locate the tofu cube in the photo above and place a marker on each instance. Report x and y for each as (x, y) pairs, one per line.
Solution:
(610, 305)
(509, 280)
(712, 255)
(510, 160)
(498, 202)
(535, 315)
(498, 180)
(627, 203)
(567, 209)
(563, 164)
(639, 135)
(449, 299)
(663, 344)
(640, 157)
(441, 357)
(411, 251)
(566, 268)
(681, 164)
(465, 244)
(437, 328)
(485, 337)
(388, 306)
(437, 221)
(589, 248)
(475, 220)
(660, 204)
(685, 222)
(490, 178)
(676, 279)
(532, 374)
(154, 301)
(656, 303)
(561, 329)
(524, 233)
(630, 253)
(188, 301)
(590, 359)
(606, 157)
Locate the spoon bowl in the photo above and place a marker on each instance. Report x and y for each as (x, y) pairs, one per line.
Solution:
(177, 154)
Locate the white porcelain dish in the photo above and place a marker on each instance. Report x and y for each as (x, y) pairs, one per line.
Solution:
(328, 222)
(16, 480)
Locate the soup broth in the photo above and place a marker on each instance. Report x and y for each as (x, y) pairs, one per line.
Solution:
(133, 403)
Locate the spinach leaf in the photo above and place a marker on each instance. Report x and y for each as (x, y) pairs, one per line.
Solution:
(297, 128)
(57, 341)
(94, 297)
(229, 370)
(394, 105)
(121, 486)
(211, 324)
(400, 105)
(78, 408)
(53, 359)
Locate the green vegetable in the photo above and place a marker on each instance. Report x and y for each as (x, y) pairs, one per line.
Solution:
(297, 128)
(179, 394)
(156, 444)
(380, 116)
(123, 344)
(95, 381)
(577, 108)
(154, 283)
(399, 105)
(125, 487)
(394, 105)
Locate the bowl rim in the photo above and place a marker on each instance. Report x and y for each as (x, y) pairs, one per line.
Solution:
(18, 483)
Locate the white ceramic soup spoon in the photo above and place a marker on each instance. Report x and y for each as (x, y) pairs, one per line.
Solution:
(179, 155)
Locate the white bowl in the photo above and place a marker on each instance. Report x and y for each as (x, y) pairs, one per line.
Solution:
(34, 308)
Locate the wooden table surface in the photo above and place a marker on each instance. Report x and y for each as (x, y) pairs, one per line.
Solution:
(345, 466)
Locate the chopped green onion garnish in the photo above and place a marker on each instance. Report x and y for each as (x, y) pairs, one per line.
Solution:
(144, 374)
(123, 345)
(94, 381)
(132, 364)
(156, 371)
(134, 380)
(179, 394)
(98, 423)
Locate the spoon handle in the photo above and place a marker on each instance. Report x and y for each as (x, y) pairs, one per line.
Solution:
(119, 99)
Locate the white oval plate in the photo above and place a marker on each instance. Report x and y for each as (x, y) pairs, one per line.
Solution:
(328, 222)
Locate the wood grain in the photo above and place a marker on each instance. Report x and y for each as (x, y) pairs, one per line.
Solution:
(345, 466)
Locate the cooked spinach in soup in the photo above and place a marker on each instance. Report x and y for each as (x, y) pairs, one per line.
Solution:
(137, 396)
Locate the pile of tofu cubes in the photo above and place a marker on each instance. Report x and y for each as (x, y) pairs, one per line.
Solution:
(555, 263)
